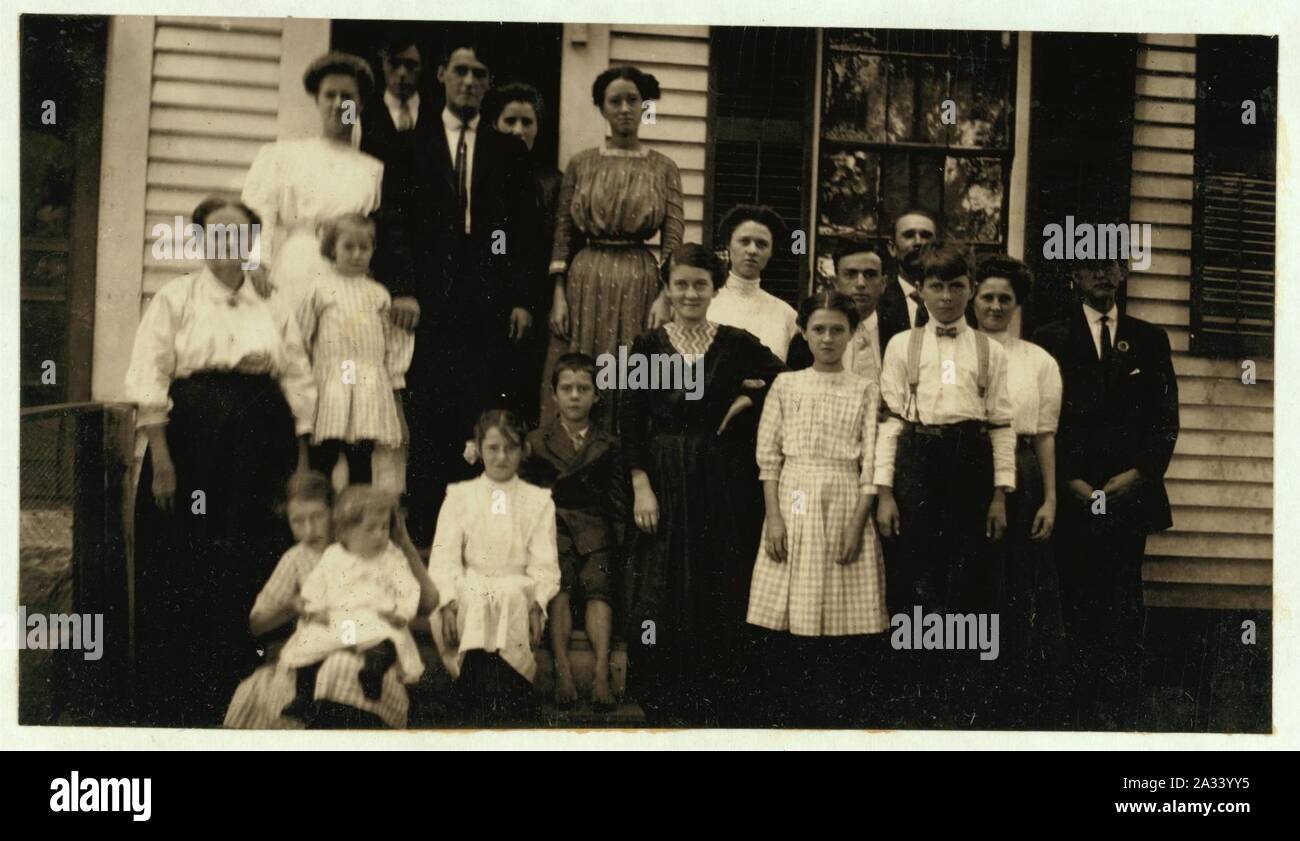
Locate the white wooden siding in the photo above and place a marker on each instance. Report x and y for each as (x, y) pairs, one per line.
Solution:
(678, 56)
(1219, 552)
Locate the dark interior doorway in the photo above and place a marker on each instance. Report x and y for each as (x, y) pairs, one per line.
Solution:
(1081, 147)
(514, 52)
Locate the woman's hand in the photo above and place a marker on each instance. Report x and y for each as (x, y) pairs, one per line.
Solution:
(536, 622)
(164, 482)
(1080, 489)
(1044, 520)
(996, 523)
(645, 510)
(450, 630)
(887, 518)
(661, 312)
(520, 321)
(774, 537)
(261, 280)
(738, 405)
(560, 313)
(405, 312)
(256, 362)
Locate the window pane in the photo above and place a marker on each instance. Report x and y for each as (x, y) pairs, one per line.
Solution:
(981, 91)
(902, 99)
(973, 199)
(855, 98)
(848, 192)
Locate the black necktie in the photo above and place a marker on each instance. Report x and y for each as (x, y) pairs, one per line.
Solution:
(462, 189)
(950, 332)
(1105, 338)
(922, 314)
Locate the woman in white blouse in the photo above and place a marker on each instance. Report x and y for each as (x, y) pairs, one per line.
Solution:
(1031, 626)
(295, 185)
(750, 232)
(222, 386)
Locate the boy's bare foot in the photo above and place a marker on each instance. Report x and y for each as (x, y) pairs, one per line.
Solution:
(565, 691)
(602, 697)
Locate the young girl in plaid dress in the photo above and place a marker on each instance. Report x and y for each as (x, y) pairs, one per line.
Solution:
(359, 358)
(819, 572)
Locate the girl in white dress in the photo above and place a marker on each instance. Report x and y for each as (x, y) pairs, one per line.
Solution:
(819, 572)
(359, 357)
(495, 566)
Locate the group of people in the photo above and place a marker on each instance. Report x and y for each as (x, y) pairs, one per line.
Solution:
(889, 446)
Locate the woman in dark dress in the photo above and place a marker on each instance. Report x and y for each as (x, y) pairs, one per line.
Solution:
(687, 577)
(222, 384)
(517, 108)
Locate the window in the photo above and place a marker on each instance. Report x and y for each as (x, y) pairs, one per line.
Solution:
(915, 117)
(1234, 197)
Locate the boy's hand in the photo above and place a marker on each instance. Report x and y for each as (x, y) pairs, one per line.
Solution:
(450, 631)
(536, 622)
(774, 538)
(887, 518)
(1044, 521)
(1122, 484)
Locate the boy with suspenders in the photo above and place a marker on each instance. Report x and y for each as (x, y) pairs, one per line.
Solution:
(945, 459)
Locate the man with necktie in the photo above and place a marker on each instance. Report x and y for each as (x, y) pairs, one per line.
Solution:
(858, 274)
(901, 307)
(1118, 428)
(463, 218)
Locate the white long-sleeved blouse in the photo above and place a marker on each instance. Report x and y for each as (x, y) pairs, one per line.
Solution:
(196, 323)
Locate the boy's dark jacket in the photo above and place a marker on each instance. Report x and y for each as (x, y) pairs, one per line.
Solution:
(590, 488)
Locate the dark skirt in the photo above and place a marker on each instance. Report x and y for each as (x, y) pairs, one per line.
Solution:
(1029, 601)
(691, 580)
(199, 568)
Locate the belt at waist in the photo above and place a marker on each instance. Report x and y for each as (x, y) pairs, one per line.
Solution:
(616, 243)
(813, 461)
(946, 430)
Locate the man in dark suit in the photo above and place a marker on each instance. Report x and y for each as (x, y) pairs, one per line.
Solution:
(900, 304)
(461, 218)
(395, 130)
(1118, 428)
(858, 274)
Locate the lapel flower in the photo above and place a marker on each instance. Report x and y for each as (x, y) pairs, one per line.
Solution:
(1121, 346)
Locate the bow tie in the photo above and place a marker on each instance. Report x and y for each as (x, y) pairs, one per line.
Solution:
(950, 332)
(915, 296)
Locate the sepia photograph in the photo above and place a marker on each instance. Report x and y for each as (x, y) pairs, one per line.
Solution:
(419, 374)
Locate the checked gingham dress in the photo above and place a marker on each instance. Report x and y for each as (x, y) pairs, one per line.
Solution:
(817, 437)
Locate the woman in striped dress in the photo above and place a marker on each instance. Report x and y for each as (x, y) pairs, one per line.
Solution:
(359, 358)
(819, 572)
(614, 198)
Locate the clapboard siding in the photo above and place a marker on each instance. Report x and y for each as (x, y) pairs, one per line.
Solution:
(678, 56)
(1219, 551)
(214, 101)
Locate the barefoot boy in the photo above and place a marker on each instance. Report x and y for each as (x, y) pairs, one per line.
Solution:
(584, 464)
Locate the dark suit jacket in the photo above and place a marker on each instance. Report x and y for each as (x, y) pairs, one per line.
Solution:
(462, 283)
(1116, 416)
(397, 150)
(590, 487)
(893, 313)
(800, 355)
